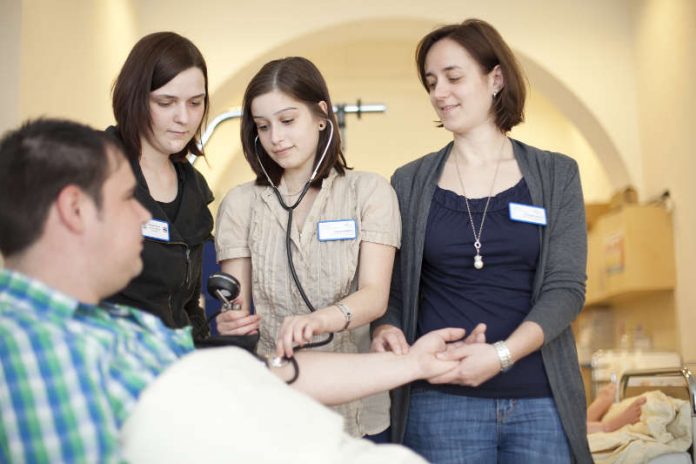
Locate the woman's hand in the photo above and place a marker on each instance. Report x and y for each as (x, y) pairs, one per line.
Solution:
(237, 322)
(299, 330)
(426, 352)
(479, 362)
(387, 337)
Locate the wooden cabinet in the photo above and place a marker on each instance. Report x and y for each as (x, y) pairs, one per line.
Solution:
(631, 252)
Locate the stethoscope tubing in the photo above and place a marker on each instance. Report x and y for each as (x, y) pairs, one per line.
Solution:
(288, 245)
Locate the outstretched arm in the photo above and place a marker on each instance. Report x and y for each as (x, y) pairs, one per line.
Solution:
(335, 378)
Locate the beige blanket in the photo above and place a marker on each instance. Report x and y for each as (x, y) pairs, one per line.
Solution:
(664, 427)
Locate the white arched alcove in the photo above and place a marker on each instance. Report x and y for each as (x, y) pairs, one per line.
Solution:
(373, 60)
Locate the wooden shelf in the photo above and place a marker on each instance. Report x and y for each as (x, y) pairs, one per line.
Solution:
(630, 255)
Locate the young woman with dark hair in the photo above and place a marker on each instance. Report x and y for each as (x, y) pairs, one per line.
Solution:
(344, 232)
(160, 100)
(493, 233)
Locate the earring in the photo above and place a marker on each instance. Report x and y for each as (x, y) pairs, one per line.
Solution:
(495, 92)
(322, 126)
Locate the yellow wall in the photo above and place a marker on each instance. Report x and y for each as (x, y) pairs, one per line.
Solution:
(665, 38)
(10, 30)
(71, 53)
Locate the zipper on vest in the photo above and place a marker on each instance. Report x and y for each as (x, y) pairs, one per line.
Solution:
(187, 250)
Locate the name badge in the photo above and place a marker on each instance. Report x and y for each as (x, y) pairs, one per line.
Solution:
(527, 213)
(342, 229)
(155, 229)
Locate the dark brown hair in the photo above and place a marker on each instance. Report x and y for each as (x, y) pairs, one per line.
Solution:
(298, 78)
(37, 161)
(487, 47)
(155, 60)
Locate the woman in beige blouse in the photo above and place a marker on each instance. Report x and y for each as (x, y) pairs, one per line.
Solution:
(344, 235)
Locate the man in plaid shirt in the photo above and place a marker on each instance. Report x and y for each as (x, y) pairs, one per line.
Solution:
(70, 233)
(71, 369)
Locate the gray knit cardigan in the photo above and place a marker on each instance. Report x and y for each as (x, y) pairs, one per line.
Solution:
(559, 284)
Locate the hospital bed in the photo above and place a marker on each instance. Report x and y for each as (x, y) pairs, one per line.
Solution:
(677, 382)
(609, 365)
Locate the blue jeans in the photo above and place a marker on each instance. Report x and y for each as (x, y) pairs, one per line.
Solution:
(449, 429)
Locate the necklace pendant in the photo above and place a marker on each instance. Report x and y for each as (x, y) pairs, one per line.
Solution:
(478, 261)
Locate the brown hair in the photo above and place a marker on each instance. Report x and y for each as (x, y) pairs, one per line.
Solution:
(37, 161)
(487, 47)
(300, 79)
(155, 60)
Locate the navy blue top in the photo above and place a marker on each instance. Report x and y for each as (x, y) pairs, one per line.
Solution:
(455, 294)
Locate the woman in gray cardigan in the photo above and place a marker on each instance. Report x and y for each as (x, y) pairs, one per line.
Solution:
(493, 233)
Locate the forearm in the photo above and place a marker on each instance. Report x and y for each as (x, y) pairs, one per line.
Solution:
(335, 378)
(366, 305)
(595, 427)
(526, 339)
(562, 293)
(369, 302)
(556, 310)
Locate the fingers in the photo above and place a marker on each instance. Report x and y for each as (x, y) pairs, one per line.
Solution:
(451, 376)
(237, 323)
(455, 351)
(242, 326)
(391, 339)
(478, 335)
(296, 330)
(450, 334)
(286, 335)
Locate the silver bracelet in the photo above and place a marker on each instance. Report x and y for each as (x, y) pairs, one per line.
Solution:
(504, 356)
(345, 310)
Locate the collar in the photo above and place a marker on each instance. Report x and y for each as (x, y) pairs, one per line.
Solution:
(281, 215)
(40, 298)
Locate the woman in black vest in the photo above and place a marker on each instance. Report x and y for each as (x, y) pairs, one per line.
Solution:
(160, 100)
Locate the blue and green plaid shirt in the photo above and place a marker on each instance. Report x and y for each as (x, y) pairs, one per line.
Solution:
(71, 372)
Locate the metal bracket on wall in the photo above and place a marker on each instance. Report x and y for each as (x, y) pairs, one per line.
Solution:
(340, 110)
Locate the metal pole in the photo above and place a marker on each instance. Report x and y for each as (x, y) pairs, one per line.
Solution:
(234, 113)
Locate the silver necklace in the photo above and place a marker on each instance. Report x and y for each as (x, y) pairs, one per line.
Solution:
(478, 259)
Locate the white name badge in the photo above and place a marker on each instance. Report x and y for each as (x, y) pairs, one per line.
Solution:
(342, 229)
(155, 229)
(527, 213)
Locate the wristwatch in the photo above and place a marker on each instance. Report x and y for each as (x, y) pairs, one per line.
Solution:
(504, 356)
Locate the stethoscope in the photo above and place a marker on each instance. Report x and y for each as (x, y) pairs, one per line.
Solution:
(290, 209)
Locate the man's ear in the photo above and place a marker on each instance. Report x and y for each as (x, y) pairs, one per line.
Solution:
(71, 206)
